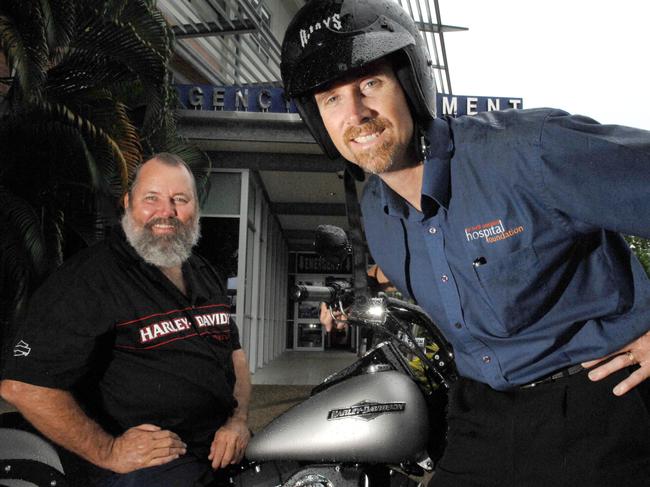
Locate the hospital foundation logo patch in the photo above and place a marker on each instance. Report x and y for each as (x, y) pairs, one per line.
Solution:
(491, 232)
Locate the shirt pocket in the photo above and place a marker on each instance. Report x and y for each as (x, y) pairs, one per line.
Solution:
(514, 290)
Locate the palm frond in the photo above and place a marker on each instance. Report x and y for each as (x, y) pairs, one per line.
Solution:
(52, 221)
(112, 116)
(95, 133)
(23, 255)
(40, 151)
(60, 22)
(141, 41)
(83, 72)
(23, 223)
(24, 42)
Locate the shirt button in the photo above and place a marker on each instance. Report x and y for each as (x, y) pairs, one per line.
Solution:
(433, 230)
(444, 278)
(486, 359)
(458, 325)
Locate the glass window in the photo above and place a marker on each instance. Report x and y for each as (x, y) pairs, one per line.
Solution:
(219, 244)
(223, 197)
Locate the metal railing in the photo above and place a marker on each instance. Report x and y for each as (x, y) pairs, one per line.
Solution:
(230, 42)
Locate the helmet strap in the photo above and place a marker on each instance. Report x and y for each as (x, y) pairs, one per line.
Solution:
(421, 141)
(357, 239)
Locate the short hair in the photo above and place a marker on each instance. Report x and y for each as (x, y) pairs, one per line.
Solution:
(168, 159)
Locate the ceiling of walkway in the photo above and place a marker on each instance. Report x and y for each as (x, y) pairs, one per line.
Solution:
(304, 188)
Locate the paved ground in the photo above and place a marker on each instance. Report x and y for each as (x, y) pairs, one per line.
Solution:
(289, 379)
(269, 401)
(303, 368)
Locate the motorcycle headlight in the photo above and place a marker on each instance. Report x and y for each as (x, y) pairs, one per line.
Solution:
(374, 312)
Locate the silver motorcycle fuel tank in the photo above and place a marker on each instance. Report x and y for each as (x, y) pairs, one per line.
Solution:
(374, 418)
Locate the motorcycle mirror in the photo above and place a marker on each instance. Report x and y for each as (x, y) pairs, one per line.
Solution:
(331, 243)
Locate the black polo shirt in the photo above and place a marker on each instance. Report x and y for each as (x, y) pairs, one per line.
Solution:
(133, 349)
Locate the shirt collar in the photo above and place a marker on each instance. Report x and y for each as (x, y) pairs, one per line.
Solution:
(195, 292)
(120, 244)
(436, 177)
(393, 204)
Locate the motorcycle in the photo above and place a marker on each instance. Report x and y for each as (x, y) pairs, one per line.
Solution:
(377, 422)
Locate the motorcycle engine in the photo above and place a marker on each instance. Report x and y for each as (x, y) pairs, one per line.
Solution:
(291, 474)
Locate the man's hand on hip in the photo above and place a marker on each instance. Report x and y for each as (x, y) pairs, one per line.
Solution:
(229, 444)
(142, 446)
(637, 352)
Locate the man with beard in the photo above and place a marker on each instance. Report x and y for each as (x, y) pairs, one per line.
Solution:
(504, 227)
(128, 357)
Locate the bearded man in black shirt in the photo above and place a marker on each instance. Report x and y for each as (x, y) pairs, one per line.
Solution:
(128, 356)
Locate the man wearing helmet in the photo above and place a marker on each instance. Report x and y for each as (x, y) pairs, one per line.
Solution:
(505, 228)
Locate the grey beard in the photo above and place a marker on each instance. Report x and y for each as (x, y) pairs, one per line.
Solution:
(162, 251)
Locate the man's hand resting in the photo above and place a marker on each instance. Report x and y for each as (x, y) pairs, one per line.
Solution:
(143, 446)
(229, 444)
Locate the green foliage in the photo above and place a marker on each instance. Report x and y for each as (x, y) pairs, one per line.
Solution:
(89, 95)
(641, 247)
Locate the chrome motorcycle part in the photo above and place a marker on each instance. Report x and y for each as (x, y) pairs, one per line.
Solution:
(28, 460)
(384, 356)
(269, 474)
(349, 476)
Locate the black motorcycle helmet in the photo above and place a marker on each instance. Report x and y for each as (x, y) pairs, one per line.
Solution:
(328, 38)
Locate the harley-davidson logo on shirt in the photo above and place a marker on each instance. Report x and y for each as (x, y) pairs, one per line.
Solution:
(161, 328)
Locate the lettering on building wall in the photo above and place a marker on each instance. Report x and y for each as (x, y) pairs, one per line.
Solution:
(195, 96)
(310, 263)
(234, 98)
(271, 99)
(241, 100)
(471, 105)
(217, 98)
(264, 100)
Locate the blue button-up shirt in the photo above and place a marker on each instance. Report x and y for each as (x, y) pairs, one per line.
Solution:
(516, 254)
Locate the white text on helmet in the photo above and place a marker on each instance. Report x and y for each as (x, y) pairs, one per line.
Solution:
(305, 34)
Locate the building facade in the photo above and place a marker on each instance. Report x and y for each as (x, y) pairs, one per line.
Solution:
(271, 186)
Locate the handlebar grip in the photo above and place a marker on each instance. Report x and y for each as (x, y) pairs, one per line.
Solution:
(326, 294)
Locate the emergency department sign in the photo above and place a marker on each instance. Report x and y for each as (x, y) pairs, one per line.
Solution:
(262, 99)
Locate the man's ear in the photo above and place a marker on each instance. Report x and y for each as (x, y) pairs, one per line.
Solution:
(125, 200)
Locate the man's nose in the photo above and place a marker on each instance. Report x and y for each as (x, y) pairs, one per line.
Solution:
(358, 110)
(167, 208)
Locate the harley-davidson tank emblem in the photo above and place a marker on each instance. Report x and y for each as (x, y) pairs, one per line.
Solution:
(367, 410)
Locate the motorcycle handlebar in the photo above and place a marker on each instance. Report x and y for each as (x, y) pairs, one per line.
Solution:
(336, 292)
(341, 292)
(314, 293)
